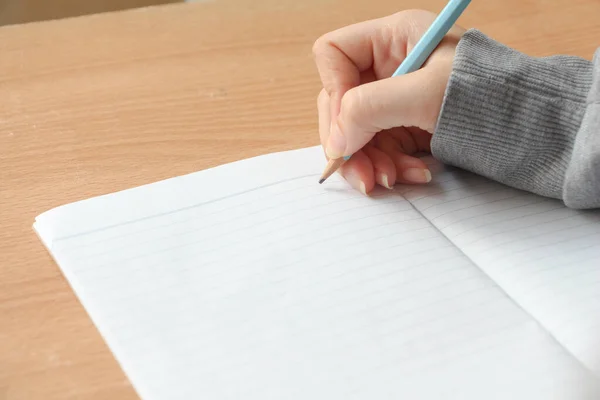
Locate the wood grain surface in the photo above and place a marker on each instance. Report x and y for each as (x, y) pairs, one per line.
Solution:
(20, 11)
(100, 103)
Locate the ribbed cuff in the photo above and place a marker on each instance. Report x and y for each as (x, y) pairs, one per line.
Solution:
(511, 117)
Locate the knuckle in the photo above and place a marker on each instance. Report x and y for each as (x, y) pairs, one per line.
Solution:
(353, 106)
(351, 100)
(320, 44)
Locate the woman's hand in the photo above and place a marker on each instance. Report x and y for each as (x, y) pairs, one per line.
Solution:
(381, 121)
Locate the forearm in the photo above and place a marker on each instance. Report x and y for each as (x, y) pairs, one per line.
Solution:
(530, 123)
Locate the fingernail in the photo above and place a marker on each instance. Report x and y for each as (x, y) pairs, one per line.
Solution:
(363, 188)
(385, 181)
(417, 175)
(356, 182)
(336, 145)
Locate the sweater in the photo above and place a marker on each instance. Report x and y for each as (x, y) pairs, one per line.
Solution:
(529, 123)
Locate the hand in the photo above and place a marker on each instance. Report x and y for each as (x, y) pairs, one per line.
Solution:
(381, 121)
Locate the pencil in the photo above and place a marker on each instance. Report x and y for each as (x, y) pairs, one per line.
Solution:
(332, 166)
(415, 59)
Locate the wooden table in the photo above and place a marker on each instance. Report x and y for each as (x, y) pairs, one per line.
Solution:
(20, 11)
(101, 103)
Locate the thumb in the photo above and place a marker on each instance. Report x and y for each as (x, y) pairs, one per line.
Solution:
(414, 99)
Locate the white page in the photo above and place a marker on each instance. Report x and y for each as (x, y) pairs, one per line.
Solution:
(266, 285)
(544, 255)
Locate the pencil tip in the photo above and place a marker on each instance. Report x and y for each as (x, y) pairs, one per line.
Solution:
(321, 180)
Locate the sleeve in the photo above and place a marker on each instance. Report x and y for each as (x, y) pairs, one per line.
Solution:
(530, 123)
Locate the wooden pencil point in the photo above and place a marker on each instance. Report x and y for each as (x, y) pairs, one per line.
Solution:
(332, 166)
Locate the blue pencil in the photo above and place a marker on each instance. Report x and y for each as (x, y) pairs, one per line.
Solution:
(415, 59)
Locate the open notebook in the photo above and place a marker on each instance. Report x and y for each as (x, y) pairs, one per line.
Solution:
(251, 281)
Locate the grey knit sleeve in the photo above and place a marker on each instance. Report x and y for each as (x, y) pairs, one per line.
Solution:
(530, 123)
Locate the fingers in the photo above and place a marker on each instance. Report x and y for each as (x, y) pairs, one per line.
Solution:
(372, 166)
(359, 173)
(408, 100)
(422, 139)
(384, 168)
(404, 138)
(409, 169)
(384, 162)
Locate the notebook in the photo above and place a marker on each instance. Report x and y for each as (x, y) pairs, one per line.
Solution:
(251, 281)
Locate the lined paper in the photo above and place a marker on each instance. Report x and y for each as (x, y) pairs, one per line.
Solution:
(543, 255)
(279, 288)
